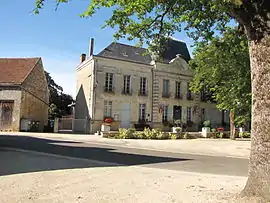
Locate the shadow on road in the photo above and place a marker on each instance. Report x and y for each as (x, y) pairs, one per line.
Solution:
(14, 162)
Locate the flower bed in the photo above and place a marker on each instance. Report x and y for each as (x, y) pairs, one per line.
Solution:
(156, 134)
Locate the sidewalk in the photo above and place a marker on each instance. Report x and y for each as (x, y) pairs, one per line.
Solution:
(212, 147)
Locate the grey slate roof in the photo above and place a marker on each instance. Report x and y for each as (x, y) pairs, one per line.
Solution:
(136, 54)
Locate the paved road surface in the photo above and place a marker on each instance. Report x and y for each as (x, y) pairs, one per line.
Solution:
(127, 156)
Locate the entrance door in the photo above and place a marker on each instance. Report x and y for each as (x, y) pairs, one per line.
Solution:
(6, 109)
(177, 112)
(125, 115)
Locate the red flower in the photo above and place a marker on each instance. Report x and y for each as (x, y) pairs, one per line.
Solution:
(220, 129)
(108, 120)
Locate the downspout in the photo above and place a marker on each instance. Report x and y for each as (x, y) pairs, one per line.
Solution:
(153, 82)
(152, 111)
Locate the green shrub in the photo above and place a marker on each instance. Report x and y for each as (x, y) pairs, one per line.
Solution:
(126, 133)
(156, 133)
(244, 134)
(207, 123)
(188, 136)
(173, 136)
(163, 136)
(213, 130)
(148, 134)
(178, 129)
(220, 135)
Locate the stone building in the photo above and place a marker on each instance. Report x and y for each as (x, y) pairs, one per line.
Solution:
(130, 86)
(24, 93)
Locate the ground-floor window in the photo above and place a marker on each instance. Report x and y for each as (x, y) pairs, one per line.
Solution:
(142, 112)
(107, 108)
(165, 114)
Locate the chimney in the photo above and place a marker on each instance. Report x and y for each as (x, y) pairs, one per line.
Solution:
(82, 58)
(91, 48)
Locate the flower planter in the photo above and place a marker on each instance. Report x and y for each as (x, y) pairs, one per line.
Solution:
(175, 130)
(205, 130)
(241, 129)
(105, 128)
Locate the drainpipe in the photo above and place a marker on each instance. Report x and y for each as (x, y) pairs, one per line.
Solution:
(152, 122)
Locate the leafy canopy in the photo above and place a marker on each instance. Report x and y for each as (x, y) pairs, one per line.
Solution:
(223, 67)
(58, 100)
(152, 20)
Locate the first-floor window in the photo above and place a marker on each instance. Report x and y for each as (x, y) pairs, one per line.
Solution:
(188, 113)
(142, 112)
(165, 114)
(107, 108)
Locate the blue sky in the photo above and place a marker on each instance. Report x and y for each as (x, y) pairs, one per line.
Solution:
(59, 37)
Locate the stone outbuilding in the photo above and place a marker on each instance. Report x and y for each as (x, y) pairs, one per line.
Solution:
(24, 94)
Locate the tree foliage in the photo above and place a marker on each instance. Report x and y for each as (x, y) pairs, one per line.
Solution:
(152, 20)
(222, 66)
(58, 101)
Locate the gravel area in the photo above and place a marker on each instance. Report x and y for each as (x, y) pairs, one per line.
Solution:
(97, 183)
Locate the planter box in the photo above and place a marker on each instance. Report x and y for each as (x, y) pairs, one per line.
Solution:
(174, 130)
(205, 130)
(105, 128)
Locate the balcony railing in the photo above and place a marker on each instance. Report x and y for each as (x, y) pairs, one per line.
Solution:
(142, 93)
(166, 94)
(178, 96)
(126, 92)
(109, 89)
(189, 96)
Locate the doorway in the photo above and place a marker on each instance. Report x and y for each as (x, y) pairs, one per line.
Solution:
(6, 111)
(177, 112)
(125, 115)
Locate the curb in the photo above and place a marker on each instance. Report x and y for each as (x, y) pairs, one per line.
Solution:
(91, 161)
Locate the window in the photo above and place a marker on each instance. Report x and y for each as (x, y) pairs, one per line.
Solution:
(165, 114)
(107, 108)
(127, 87)
(166, 90)
(178, 94)
(142, 112)
(109, 82)
(202, 114)
(188, 114)
(189, 96)
(143, 86)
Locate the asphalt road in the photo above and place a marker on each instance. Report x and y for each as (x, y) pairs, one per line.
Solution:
(128, 156)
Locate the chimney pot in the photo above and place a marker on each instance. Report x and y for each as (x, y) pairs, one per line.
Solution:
(82, 58)
(91, 47)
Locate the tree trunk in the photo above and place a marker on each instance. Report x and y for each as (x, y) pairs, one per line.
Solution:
(258, 183)
(232, 126)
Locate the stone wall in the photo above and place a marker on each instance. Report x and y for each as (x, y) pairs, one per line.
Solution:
(35, 96)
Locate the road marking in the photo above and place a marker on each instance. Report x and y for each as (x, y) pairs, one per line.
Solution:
(65, 157)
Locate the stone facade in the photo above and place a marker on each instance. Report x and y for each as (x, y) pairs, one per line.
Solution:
(91, 96)
(35, 96)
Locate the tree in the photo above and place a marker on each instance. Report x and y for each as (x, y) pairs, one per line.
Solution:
(151, 20)
(58, 100)
(222, 66)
